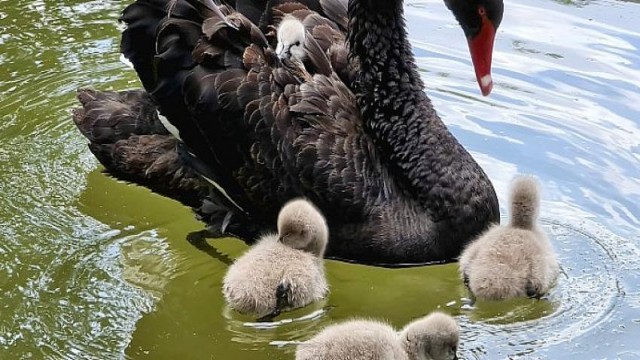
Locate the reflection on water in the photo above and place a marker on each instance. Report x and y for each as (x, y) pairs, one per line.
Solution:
(93, 268)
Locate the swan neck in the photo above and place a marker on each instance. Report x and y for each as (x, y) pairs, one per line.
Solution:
(388, 87)
(396, 112)
(378, 41)
(426, 160)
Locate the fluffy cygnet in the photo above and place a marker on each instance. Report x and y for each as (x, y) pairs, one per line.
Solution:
(514, 260)
(281, 271)
(291, 35)
(433, 337)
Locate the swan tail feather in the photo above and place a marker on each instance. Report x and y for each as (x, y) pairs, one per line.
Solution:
(107, 116)
(151, 161)
(127, 137)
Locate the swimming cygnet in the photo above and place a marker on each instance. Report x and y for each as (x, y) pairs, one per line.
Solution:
(433, 337)
(291, 35)
(281, 271)
(514, 260)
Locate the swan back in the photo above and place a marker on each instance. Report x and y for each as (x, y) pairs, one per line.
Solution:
(302, 226)
(434, 336)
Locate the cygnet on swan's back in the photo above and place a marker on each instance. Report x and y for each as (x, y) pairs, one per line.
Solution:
(291, 35)
(514, 260)
(281, 271)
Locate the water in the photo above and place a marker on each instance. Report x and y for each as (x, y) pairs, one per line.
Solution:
(91, 268)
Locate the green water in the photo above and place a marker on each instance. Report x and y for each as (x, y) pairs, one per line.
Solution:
(91, 268)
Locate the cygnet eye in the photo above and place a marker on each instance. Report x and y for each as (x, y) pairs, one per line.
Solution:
(297, 43)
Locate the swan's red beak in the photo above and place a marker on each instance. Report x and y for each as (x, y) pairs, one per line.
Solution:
(481, 48)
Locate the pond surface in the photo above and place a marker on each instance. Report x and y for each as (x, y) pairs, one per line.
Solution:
(91, 268)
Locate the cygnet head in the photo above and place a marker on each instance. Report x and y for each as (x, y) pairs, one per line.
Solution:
(434, 337)
(291, 36)
(302, 226)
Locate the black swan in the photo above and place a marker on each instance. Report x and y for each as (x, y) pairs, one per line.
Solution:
(352, 130)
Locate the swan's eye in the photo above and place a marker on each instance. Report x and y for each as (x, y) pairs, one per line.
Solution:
(297, 43)
(482, 11)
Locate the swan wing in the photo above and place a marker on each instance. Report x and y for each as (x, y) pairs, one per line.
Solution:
(265, 133)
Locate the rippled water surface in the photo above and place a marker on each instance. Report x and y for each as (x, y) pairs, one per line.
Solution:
(91, 268)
